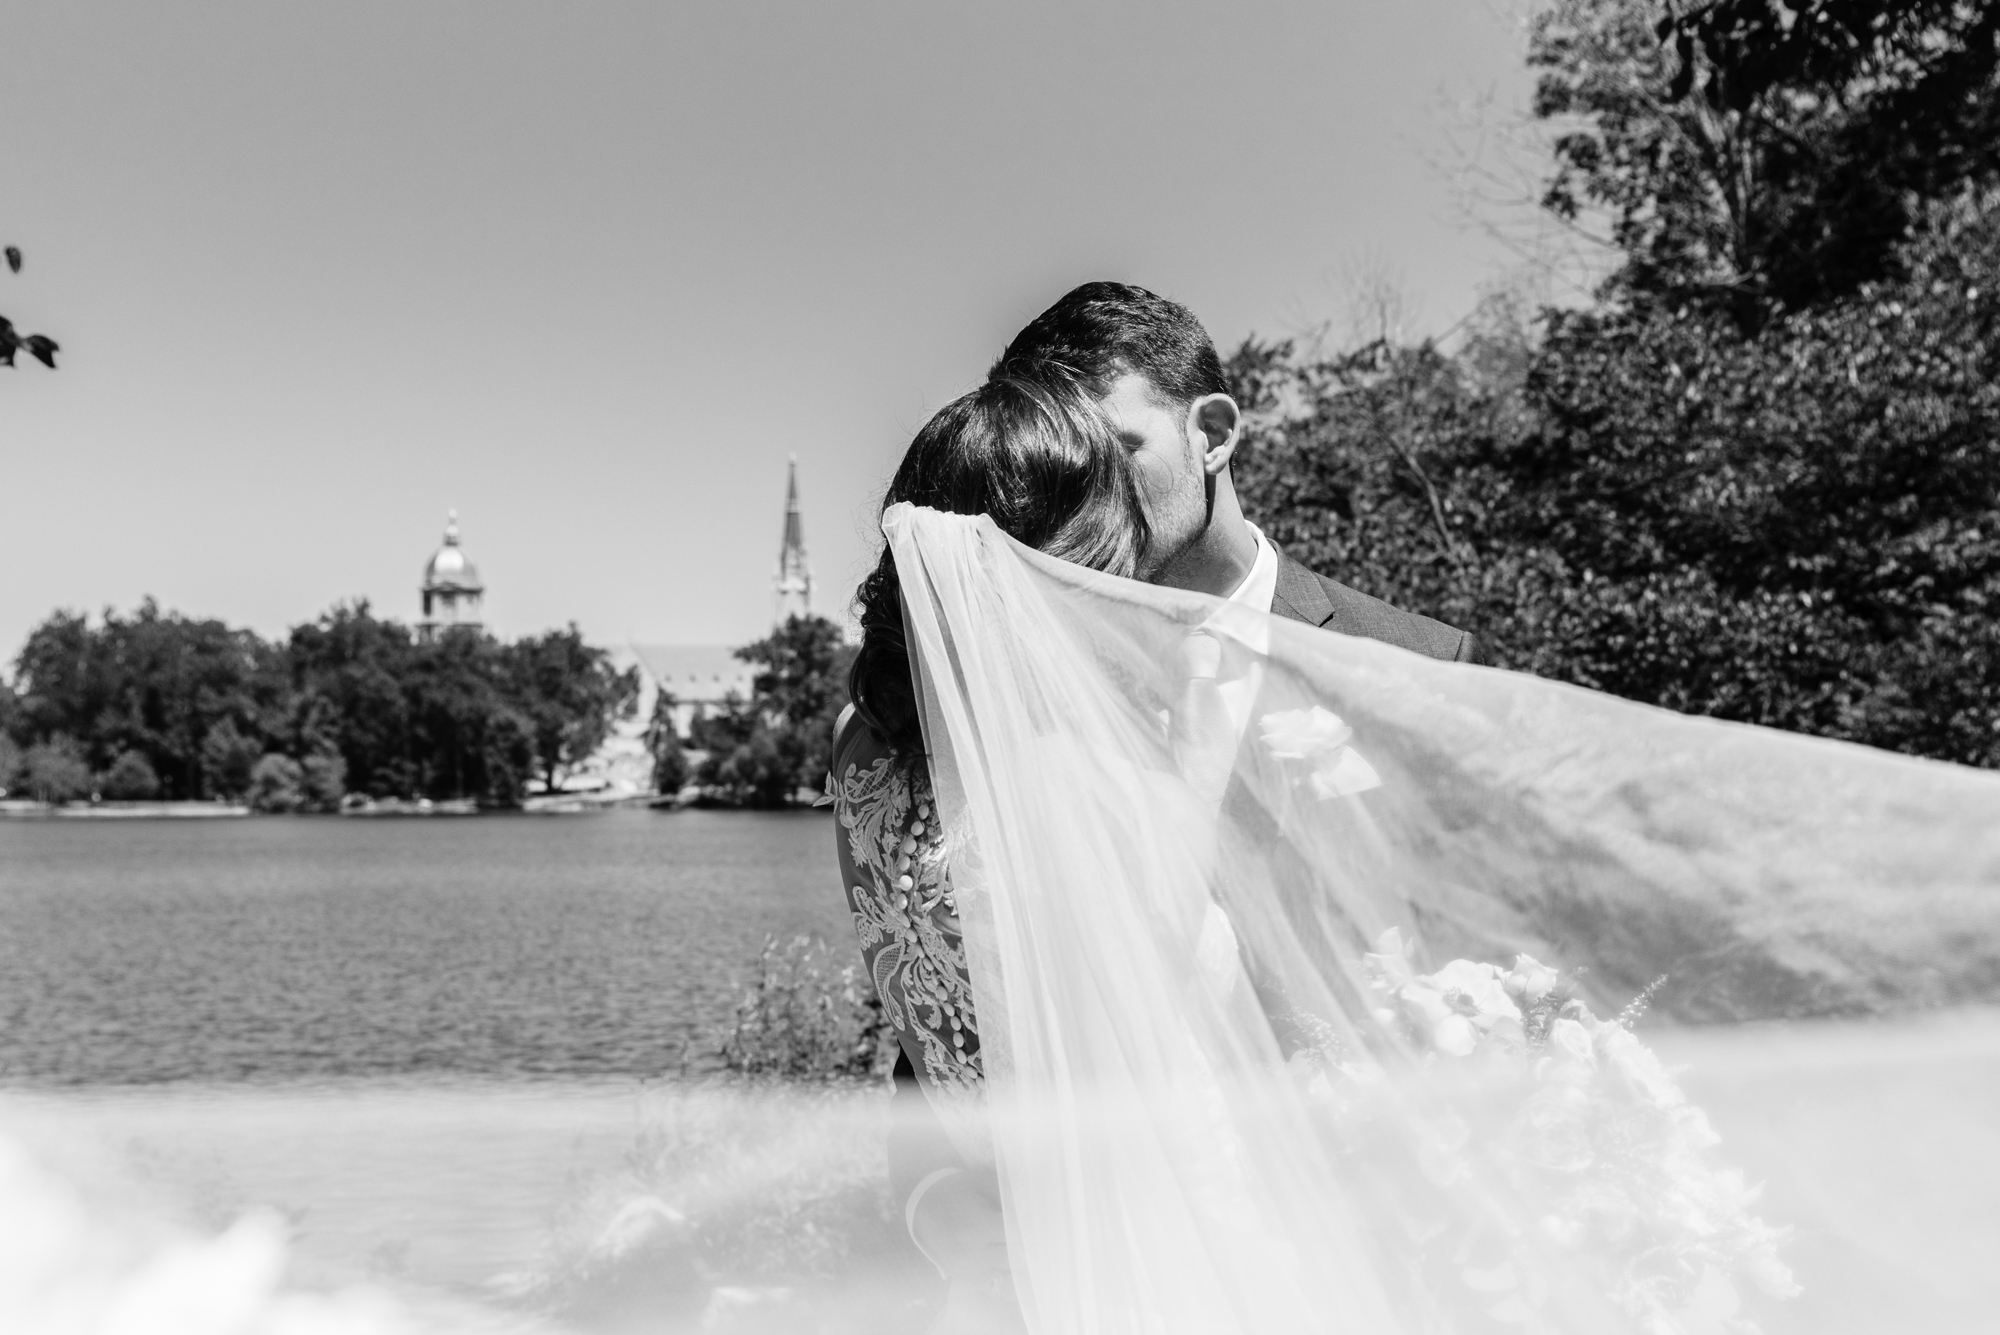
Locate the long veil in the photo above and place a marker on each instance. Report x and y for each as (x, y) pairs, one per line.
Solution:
(1276, 937)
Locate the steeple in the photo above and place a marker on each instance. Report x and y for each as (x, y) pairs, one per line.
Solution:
(794, 584)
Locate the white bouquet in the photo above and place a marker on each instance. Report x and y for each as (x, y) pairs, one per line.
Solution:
(1577, 1118)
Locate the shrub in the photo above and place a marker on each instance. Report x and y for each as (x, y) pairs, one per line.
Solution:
(671, 769)
(227, 759)
(277, 783)
(670, 766)
(324, 778)
(10, 764)
(131, 779)
(54, 771)
(809, 1015)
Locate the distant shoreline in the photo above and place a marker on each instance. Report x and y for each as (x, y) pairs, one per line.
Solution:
(121, 810)
(561, 804)
(555, 804)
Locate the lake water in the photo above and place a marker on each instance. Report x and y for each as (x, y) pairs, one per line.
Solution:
(301, 948)
(436, 1048)
(445, 1053)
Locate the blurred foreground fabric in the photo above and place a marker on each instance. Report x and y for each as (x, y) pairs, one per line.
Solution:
(1234, 891)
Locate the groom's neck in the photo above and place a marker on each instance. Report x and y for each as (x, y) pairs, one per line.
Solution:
(1218, 561)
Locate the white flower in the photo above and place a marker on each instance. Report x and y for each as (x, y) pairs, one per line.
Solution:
(1389, 967)
(1318, 737)
(1480, 986)
(1531, 980)
(1638, 1064)
(1573, 1040)
(1301, 734)
(1425, 1002)
(1454, 1036)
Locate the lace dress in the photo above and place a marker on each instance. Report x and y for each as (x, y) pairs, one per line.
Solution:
(894, 864)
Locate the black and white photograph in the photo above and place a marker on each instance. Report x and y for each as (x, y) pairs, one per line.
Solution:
(1300, 667)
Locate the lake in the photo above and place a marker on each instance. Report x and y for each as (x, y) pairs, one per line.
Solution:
(445, 1053)
(316, 948)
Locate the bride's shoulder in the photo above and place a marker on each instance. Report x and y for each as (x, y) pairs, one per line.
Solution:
(858, 754)
(854, 742)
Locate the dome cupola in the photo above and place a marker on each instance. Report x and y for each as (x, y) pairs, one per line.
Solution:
(451, 590)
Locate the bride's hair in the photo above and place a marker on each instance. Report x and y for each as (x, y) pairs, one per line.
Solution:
(1040, 458)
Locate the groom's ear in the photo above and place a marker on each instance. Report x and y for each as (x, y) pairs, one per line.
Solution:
(1220, 423)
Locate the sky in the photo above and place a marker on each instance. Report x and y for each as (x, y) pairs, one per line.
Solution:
(590, 273)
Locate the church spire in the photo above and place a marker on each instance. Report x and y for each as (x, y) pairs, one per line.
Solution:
(794, 583)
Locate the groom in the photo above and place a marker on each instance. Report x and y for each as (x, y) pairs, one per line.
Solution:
(1155, 374)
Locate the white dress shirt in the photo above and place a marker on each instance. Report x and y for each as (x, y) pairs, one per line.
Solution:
(1259, 588)
(1244, 645)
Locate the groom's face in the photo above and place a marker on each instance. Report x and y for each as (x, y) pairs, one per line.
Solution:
(1166, 447)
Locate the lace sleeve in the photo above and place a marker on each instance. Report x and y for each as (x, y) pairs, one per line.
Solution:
(894, 863)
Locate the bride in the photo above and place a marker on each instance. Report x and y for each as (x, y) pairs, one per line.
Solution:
(1235, 963)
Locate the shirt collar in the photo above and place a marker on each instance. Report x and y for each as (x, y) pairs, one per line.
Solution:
(1260, 587)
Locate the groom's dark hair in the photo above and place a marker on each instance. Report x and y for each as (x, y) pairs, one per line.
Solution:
(1101, 331)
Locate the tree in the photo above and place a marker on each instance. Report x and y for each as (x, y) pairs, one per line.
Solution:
(277, 783)
(1797, 527)
(130, 779)
(570, 696)
(351, 699)
(39, 346)
(741, 764)
(1757, 157)
(763, 751)
(460, 699)
(229, 760)
(1760, 479)
(153, 683)
(507, 755)
(348, 673)
(54, 771)
(671, 770)
(10, 764)
(323, 777)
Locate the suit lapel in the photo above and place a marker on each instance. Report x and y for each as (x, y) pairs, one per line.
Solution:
(1300, 595)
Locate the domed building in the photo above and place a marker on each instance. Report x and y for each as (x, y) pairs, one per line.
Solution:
(451, 589)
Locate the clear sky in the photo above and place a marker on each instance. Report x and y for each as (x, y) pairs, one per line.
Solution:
(590, 272)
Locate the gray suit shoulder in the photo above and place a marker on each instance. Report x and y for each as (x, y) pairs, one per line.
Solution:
(1308, 596)
(1357, 613)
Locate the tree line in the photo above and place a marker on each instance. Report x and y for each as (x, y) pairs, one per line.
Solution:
(159, 705)
(773, 749)
(1758, 476)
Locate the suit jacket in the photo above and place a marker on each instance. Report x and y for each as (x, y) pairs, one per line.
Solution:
(1304, 595)
(918, 1144)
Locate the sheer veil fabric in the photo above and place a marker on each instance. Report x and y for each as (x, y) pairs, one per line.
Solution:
(1176, 906)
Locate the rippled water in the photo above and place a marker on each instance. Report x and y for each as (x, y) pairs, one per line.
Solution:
(321, 948)
(428, 1044)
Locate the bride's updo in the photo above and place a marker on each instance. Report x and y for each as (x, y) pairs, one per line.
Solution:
(1040, 458)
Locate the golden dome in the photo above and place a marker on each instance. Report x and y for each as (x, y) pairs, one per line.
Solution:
(449, 569)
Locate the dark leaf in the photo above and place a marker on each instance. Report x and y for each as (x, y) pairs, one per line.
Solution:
(14, 258)
(43, 349)
(1684, 76)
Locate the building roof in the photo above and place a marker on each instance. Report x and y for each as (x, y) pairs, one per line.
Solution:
(695, 673)
(449, 569)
